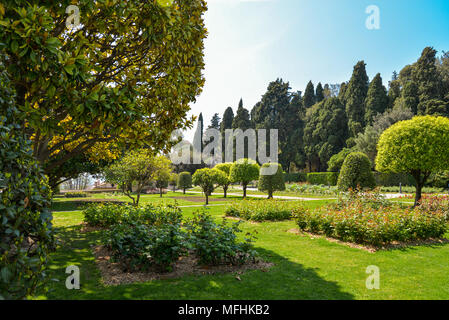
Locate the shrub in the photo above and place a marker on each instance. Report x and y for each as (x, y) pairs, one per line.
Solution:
(356, 172)
(101, 215)
(295, 177)
(26, 235)
(184, 181)
(322, 178)
(77, 194)
(261, 210)
(366, 219)
(216, 244)
(140, 246)
(336, 161)
(271, 182)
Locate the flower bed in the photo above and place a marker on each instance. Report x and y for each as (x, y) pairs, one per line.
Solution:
(365, 220)
(262, 210)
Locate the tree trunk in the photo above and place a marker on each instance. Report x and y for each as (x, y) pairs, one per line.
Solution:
(160, 192)
(225, 189)
(418, 194)
(184, 190)
(244, 191)
(270, 194)
(420, 180)
(207, 198)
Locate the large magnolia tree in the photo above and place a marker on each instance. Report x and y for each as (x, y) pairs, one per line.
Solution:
(123, 77)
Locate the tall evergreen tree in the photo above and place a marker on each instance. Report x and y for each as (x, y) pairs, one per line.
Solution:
(429, 83)
(355, 96)
(319, 93)
(215, 122)
(325, 133)
(309, 98)
(242, 118)
(377, 100)
(226, 123)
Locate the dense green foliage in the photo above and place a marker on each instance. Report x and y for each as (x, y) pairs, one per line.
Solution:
(76, 194)
(125, 76)
(323, 178)
(376, 99)
(26, 232)
(271, 182)
(336, 161)
(356, 173)
(419, 147)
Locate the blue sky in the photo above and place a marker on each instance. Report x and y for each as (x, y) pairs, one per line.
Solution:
(253, 42)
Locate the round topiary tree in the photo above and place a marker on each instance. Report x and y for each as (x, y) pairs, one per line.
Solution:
(206, 179)
(271, 182)
(244, 171)
(226, 181)
(419, 147)
(184, 181)
(25, 230)
(356, 172)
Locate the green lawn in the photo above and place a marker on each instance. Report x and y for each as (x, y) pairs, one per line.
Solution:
(304, 268)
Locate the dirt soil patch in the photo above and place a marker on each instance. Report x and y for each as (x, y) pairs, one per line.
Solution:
(113, 274)
(391, 246)
(199, 199)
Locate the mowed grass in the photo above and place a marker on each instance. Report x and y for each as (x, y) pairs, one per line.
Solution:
(304, 268)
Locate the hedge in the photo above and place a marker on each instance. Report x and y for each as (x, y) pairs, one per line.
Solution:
(323, 178)
(295, 177)
(393, 179)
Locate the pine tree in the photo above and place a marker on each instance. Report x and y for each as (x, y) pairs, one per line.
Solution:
(215, 122)
(228, 118)
(242, 119)
(355, 96)
(309, 96)
(377, 100)
(319, 93)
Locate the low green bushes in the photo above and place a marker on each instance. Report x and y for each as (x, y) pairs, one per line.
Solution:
(216, 243)
(147, 237)
(370, 220)
(76, 194)
(140, 246)
(261, 210)
(106, 215)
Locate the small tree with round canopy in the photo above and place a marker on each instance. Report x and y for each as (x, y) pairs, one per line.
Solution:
(244, 171)
(206, 179)
(224, 183)
(184, 181)
(271, 182)
(419, 147)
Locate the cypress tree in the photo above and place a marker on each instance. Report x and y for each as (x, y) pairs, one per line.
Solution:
(309, 96)
(377, 100)
(319, 93)
(242, 118)
(425, 75)
(355, 96)
(215, 122)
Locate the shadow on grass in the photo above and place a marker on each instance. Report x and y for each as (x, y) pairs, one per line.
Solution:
(286, 280)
